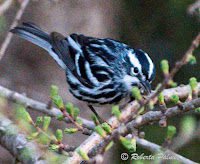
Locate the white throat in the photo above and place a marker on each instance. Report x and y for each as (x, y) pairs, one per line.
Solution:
(129, 81)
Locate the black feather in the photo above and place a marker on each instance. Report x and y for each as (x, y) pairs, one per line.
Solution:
(97, 69)
(60, 46)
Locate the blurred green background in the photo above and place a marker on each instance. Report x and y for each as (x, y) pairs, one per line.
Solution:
(163, 29)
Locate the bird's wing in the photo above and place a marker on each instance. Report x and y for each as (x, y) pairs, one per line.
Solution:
(61, 47)
(92, 57)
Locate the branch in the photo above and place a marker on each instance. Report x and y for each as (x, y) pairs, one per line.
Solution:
(169, 77)
(193, 8)
(94, 140)
(17, 144)
(181, 91)
(152, 116)
(18, 16)
(147, 118)
(5, 6)
(38, 106)
(157, 149)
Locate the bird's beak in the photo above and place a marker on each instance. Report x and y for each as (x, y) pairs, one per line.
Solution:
(146, 85)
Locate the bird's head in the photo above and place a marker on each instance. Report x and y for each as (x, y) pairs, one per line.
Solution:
(140, 70)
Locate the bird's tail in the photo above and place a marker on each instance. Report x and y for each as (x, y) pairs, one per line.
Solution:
(34, 34)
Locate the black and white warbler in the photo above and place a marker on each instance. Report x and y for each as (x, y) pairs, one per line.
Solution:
(99, 71)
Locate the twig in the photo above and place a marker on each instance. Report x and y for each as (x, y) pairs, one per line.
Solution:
(80, 127)
(193, 7)
(38, 106)
(100, 148)
(148, 117)
(156, 148)
(94, 139)
(87, 145)
(39, 130)
(18, 16)
(17, 144)
(66, 115)
(181, 91)
(178, 65)
(152, 116)
(5, 6)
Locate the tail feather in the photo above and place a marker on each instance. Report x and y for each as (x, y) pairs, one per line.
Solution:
(56, 44)
(30, 24)
(33, 34)
(36, 30)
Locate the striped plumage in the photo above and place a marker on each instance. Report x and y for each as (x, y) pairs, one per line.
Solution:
(99, 71)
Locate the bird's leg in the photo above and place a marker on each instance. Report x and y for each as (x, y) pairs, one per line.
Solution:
(101, 120)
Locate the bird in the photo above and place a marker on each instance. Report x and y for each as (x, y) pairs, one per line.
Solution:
(99, 71)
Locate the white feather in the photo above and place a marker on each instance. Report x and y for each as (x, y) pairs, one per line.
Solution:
(43, 44)
(74, 44)
(57, 59)
(90, 75)
(151, 65)
(95, 45)
(99, 61)
(134, 60)
(130, 80)
(77, 56)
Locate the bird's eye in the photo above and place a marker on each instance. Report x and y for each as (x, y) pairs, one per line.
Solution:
(135, 70)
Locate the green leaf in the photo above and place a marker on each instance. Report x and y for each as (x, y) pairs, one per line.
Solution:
(69, 108)
(83, 154)
(57, 100)
(151, 105)
(197, 110)
(38, 121)
(54, 90)
(158, 86)
(46, 123)
(174, 84)
(193, 83)
(161, 98)
(53, 147)
(59, 135)
(59, 117)
(129, 144)
(136, 93)
(75, 112)
(71, 130)
(116, 112)
(23, 114)
(106, 127)
(109, 146)
(100, 131)
(171, 131)
(165, 66)
(191, 59)
(79, 121)
(175, 99)
(188, 125)
(32, 136)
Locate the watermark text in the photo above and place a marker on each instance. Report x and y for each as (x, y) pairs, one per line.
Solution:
(136, 156)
